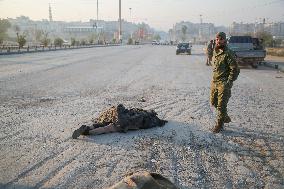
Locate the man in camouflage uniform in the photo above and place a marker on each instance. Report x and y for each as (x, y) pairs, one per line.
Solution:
(225, 71)
(120, 119)
(209, 52)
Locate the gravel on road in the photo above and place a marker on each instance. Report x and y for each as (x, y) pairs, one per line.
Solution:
(45, 96)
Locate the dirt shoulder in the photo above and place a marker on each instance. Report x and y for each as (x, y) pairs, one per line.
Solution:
(275, 59)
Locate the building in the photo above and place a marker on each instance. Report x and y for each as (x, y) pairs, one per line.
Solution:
(241, 28)
(195, 32)
(276, 29)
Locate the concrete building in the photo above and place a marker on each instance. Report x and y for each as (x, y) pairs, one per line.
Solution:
(276, 29)
(241, 28)
(195, 32)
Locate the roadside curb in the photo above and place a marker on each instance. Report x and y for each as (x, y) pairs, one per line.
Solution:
(274, 65)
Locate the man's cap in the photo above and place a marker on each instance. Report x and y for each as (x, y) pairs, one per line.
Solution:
(221, 35)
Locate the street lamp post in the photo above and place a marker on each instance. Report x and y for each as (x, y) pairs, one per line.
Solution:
(97, 10)
(130, 14)
(97, 22)
(130, 21)
(120, 28)
(201, 28)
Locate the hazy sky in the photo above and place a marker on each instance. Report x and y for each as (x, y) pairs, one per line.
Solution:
(160, 14)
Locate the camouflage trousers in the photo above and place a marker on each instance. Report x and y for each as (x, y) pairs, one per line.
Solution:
(220, 94)
(208, 60)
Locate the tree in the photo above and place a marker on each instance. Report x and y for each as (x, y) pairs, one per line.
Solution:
(45, 41)
(93, 37)
(73, 41)
(103, 38)
(16, 28)
(266, 37)
(157, 37)
(83, 42)
(171, 34)
(4, 26)
(277, 42)
(58, 42)
(21, 39)
(91, 41)
(130, 41)
(183, 31)
(38, 35)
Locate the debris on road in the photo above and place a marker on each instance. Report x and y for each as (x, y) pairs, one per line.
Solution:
(142, 99)
(144, 179)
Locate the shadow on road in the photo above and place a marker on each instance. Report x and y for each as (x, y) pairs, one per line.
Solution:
(178, 140)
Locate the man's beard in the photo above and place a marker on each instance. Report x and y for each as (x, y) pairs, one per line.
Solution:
(217, 47)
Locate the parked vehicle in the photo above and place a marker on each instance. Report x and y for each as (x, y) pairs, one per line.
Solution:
(155, 42)
(183, 48)
(248, 50)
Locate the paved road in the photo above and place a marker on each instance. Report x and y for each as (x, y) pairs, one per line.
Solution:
(45, 96)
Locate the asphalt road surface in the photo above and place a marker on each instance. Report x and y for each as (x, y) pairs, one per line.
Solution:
(45, 96)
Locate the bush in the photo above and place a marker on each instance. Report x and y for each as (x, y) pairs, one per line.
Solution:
(73, 41)
(101, 42)
(77, 43)
(83, 42)
(92, 38)
(21, 39)
(266, 37)
(45, 42)
(91, 41)
(4, 25)
(275, 51)
(58, 42)
(130, 41)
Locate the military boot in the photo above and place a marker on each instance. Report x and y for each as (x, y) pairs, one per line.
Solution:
(218, 127)
(83, 130)
(227, 119)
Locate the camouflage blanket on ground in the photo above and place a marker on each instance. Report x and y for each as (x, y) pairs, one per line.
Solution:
(144, 180)
(128, 119)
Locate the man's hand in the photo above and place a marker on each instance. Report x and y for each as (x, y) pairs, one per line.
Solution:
(229, 83)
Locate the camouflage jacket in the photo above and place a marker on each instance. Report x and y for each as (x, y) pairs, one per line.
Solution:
(210, 49)
(225, 67)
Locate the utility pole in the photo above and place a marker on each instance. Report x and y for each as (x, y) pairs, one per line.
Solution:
(120, 28)
(97, 11)
(50, 14)
(130, 14)
(130, 19)
(201, 27)
(97, 22)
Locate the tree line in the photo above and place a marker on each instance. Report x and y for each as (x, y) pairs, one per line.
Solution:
(42, 37)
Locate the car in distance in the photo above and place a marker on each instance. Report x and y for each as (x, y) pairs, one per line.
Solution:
(155, 42)
(183, 48)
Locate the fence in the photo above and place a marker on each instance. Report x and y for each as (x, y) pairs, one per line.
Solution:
(12, 49)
